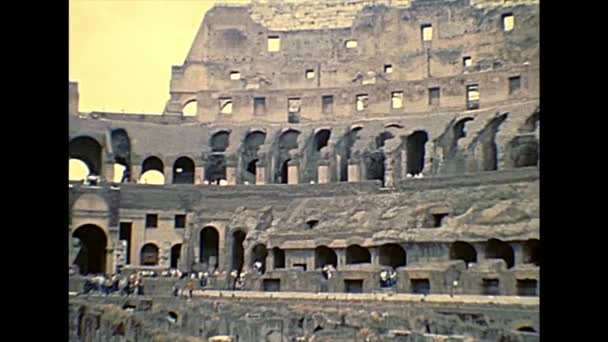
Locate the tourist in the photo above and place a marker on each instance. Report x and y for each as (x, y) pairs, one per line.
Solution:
(190, 287)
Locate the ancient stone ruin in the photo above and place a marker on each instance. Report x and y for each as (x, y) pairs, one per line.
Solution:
(396, 136)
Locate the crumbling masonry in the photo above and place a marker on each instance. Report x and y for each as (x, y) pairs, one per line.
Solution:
(362, 134)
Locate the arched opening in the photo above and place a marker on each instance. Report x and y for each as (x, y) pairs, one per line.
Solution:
(78, 170)
(259, 254)
(251, 146)
(172, 317)
(91, 257)
(325, 256)
(310, 224)
(121, 148)
(524, 151)
(183, 171)
(238, 237)
(415, 147)
(215, 166)
(527, 329)
(149, 255)
(285, 172)
(463, 251)
(531, 123)
(321, 138)
(382, 138)
(279, 258)
(176, 252)
(497, 249)
(152, 171)
(356, 254)
(87, 150)
(489, 149)
(288, 141)
(344, 151)
(190, 108)
(393, 255)
(531, 251)
(459, 129)
(209, 247)
(374, 163)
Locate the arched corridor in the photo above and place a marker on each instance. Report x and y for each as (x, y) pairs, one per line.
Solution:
(92, 255)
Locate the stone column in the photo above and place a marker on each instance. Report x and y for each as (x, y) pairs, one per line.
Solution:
(199, 175)
(135, 173)
(110, 260)
(389, 161)
(323, 175)
(292, 172)
(260, 173)
(168, 173)
(231, 172)
(375, 255)
(107, 172)
(354, 170)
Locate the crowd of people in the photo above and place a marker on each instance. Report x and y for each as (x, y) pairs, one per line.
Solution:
(113, 284)
(388, 278)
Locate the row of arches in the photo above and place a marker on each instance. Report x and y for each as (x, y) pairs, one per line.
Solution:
(93, 243)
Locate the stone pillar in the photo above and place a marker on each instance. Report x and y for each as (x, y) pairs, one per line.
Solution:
(403, 164)
(323, 172)
(260, 173)
(168, 173)
(354, 171)
(110, 260)
(199, 175)
(231, 173)
(341, 256)
(135, 173)
(375, 255)
(518, 253)
(107, 172)
(292, 172)
(389, 162)
(164, 258)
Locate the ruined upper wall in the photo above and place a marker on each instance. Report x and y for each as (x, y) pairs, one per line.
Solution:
(74, 98)
(313, 59)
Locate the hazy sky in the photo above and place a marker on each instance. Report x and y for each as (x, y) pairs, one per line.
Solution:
(121, 51)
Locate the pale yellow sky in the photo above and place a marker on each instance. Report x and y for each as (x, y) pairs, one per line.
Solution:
(121, 51)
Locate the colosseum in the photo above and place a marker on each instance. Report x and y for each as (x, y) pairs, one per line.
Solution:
(341, 170)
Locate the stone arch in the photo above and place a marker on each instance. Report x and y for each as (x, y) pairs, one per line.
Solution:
(152, 171)
(321, 138)
(487, 139)
(91, 257)
(383, 137)
(249, 155)
(190, 108)
(355, 254)
(183, 171)
(531, 252)
(176, 252)
(238, 253)
(374, 166)
(284, 178)
(288, 140)
(325, 256)
(531, 123)
(209, 243)
(460, 250)
(497, 249)
(215, 166)
(87, 150)
(121, 148)
(259, 253)
(344, 151)
(149, 255)
(393, 255)
(524, 151)
(415, 149)
(220, 141)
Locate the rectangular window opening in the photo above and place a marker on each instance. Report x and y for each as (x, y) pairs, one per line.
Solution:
(235, 75)
(294, 106)
(473, 96)
(427, 32)
(225, 105)
(420, 286)
(353, 285)
(310, 74)
(438, 219)
(514, 84)
(151, 220)
(300, 266)
(508, 22)
(388, 69)
(124, 234)
(271, 285)
(467, 61)
(397, 99)
(259, 105)
(274, 43)
(327, 103)
(527, 287)
(491, 287)
(434, 94)
(351, 44)
(180, 221)
(362, 102)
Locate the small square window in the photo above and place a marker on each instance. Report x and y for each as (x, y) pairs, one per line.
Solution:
(351, 44)
(235, 75)
(294, 105)
(514, 84)
(271, 285)
(508, 22)
(310, 73)
(434, 94)
(427, 32)
(467, 61)
(491, 287)
(420, 286)
(388, 69)
(274, 43)
(180, 221)
(226, 105)
(259, 105)
(353, 285)
(397, 100)
(151, 220)
(362, 102)
(527, 287)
